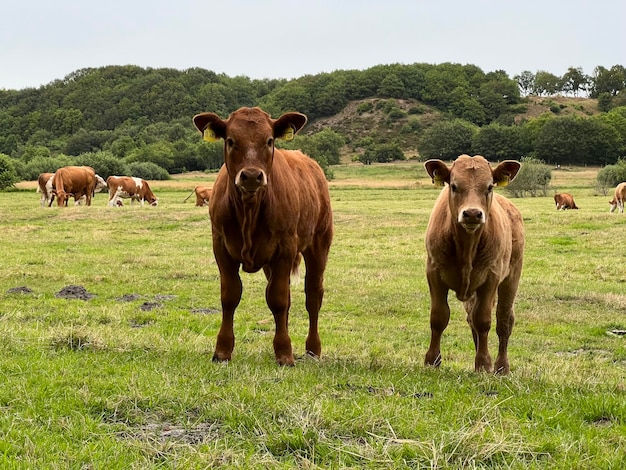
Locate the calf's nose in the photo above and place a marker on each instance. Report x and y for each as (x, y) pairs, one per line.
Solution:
(251, 179)
(472, 216)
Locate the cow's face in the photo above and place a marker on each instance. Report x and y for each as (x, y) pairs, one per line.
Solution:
(249, 135)
(470, 186)
(62, 197)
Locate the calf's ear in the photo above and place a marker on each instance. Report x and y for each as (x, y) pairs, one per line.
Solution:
(211, 125)
(505, 172)
(438, 171)
(286, 126)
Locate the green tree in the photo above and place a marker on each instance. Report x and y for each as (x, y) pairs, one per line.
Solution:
(447, 140)
(574, 81)
(526, 82)
(546, 83)
(391, 87)
(498, 142)
(160, 153)
(8, 175)
(532, 179)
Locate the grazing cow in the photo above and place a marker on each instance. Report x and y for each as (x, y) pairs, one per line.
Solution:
(564, 201)
(75, 181)
(475, 246)
(44, 186)
(619, 198)
(268, 208)
(136, 189)
(203, 195)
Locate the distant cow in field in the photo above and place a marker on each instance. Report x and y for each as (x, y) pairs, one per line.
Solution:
(136, 189)
(475, 247)
(268, 207)
(44, 186)
(203, 195)
(75, 181)
(619, 198)
(564, 201)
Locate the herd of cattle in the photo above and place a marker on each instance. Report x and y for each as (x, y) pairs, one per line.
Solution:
(82, 182)
(270, 207)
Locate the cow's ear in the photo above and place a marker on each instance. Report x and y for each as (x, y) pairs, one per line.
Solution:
(286, 126)
(438, 171)
(505, 172)
(211, 125)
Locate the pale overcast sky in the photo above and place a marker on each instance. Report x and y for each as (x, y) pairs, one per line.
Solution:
(41, 41)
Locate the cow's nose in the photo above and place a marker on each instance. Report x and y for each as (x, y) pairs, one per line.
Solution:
(251, 179)
(473, 215)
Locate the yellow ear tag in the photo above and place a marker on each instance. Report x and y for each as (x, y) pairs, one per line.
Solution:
(288, 134)
(208, 135)
(503, 182)
(438, 180)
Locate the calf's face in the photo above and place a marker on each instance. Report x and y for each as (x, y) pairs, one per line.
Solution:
(471, 181)
(249, 135)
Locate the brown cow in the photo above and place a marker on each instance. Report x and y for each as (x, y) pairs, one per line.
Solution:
(75, 181)
(269, 206)
(44, 186)
(475, 246)
(564, 201)
(619, 198)
(203, 195)
(136, 189)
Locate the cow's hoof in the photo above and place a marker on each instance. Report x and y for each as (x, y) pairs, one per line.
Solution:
(220, 358)
(432, 361)
(286, 361)
(312, 355)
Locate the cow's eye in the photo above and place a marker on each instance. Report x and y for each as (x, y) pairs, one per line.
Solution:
(270, 142)
(490, 189)
(454, 187)
(230, 143)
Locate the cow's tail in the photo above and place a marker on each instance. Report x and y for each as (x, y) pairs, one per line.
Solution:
(192, 193)
(295, 269)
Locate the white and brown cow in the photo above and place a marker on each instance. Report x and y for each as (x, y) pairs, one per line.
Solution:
(203, 195)
(129, 187)
(44, 186)
(475, 247)
(564, 201)
(619, 198)
(74, 181)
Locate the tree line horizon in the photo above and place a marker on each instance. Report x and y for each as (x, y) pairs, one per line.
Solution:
(134, 115)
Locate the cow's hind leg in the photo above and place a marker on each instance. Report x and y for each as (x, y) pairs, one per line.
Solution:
(315, 262)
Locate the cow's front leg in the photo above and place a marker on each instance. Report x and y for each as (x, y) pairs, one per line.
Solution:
(439, 317)
(278, 297)
(230, 291)
(479, 317)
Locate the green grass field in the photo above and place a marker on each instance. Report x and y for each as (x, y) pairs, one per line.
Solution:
(124, 380)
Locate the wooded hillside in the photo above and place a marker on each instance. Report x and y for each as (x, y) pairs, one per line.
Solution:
(137, 115)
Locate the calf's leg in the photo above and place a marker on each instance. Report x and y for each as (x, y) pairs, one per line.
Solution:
(314, 293)
(439, 318)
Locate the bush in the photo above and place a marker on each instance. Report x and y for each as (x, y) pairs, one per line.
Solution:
(31, 170)
(533, 178)
(611, 175)
(148, 171)
(364, 107)
(382, 153)
(8, 176)
(104, 163)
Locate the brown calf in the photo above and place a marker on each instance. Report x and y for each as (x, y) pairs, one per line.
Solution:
(564, 201)
(475, 246)
(268, 207)
(619, 198)
(44, 186)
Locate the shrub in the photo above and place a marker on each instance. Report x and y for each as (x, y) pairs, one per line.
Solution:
(532, 179)
(611, 175)
(364, 107)
(31, 170)
(104, 163)
(8, 176)
(148, 171)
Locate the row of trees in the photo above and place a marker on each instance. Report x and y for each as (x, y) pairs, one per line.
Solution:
(557, 140)
(139, 115)
(604, 82)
